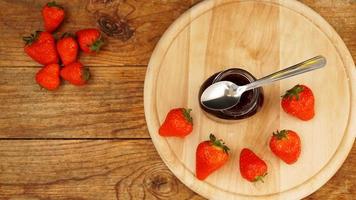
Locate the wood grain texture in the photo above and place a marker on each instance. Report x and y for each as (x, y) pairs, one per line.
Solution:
(81, 170)
(148, 18)
(109, 106)
(341, 15)
(86, 170)
(122, 170)
(342, 185)
(203, 42)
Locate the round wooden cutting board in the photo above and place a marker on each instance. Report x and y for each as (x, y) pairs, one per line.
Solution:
(260, 37)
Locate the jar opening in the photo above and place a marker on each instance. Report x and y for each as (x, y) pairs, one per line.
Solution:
(250, 101)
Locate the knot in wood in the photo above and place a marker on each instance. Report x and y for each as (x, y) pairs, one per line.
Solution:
(161, 184)
(116, 28)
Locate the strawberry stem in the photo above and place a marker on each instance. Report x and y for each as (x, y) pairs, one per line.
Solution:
(54, 4)
(186, 113)
(96, 46)
(86, 74)
(67, 34)
(218, 143)
(260, 178)
(280, 134)
(32, 38)
(294, 92)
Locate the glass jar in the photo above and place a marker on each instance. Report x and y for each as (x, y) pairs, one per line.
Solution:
(250, 103)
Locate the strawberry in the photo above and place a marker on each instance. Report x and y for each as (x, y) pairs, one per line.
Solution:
(252, 167)
(178, 123)
(90, 40)
(41, 47)
(67, 48)
(299, 102)
(210, 156)
(75, 73)
(286, 145)
(53, 16)
(48, 77)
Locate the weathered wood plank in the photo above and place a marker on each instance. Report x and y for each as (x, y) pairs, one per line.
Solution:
(110, 105)
(148, 18)
(111, 169)
(86, 169)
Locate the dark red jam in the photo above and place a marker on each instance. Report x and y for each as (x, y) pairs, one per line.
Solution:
(251, 101)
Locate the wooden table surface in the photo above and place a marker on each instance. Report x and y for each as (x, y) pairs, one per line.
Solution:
(92, 142)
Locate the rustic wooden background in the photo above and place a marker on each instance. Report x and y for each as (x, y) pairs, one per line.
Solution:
(92, 142)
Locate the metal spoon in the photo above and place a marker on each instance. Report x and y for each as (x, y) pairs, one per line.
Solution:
(225, 94)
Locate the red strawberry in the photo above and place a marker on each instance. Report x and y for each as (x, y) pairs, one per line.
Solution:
(67, 49)
(48, 77)
(299, 102)
(53, 16)
(75, 73)
(210, 156)
(90, 40)
(41, 47)
(286, 145)
(178, 123)
(252, 167)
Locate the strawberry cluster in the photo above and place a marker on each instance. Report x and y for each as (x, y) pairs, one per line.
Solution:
(212, 154)
(44, 49)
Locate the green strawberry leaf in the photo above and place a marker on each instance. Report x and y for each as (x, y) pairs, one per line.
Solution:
(67, 34)
(32, 38)
(54, 4)
(186, 114)
(281, 134)
(294, 92)
(96, 46)
(218, 143)
(260, 178)
(86, 74)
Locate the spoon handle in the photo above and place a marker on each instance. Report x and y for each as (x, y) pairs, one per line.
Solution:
(305, 66)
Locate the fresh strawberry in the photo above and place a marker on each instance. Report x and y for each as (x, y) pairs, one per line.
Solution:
(41, 47)
(53, 16)
(90, 40)
(178, 123)
(299, 102)
(286, 145)
(210, 156)
(48, 77)
(75, 73)
(67, 48)
(252, 167)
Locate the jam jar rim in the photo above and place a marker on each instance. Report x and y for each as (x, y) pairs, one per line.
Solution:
(256, 92)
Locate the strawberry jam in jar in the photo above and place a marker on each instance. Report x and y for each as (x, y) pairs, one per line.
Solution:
(250, 103)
